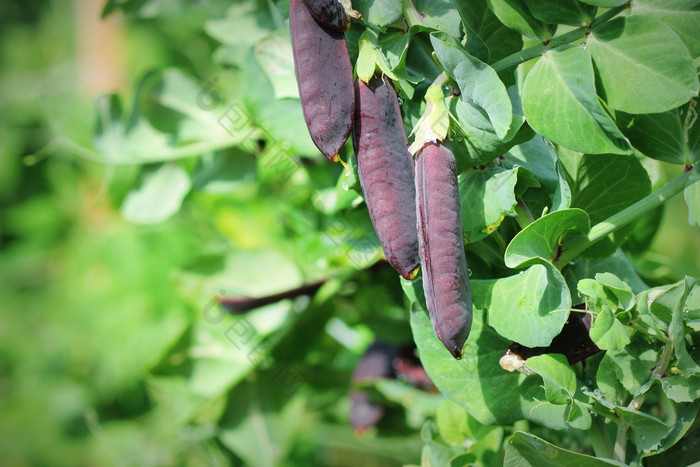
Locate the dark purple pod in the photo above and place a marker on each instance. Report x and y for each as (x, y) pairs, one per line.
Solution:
(330, 13)
(386, 172)
(325, 79)
(377, 362)
(441, 247)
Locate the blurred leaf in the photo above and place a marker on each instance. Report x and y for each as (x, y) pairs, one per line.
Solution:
(692, 196)
(159, 196)
(274, 54)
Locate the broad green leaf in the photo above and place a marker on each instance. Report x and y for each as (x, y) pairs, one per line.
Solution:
(683, 16)
(570, 12)
(617, 264)
(465, 381)
(485, 95)
(441, 15)
(540, 240)
(646, 431)
(608, 333)
(450, 52)
(533, 155)
(531, 307)
(604, 185)
(476, 382)
(608, 382)
(681, 388)
(659, 136)
(159, 195)
(633, 364)
(692, 196)
(274, 54)
(478, 145)
(686, 418)
(487, 197)
(560, 103)
(379, 12)
(500, 40)
(643, 66)
(604, 3)
(526, 450)
(559, 379)
(515, 14)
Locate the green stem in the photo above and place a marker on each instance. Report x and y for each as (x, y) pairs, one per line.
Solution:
(575, 247)
(537, 50)
(602, 444)
(621, 442)
(523, 216)
(412, 15)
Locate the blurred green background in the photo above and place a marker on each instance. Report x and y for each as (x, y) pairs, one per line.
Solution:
(107, 356)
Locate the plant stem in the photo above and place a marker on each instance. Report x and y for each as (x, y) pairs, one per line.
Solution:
(537, 50)
(621, 442)
(576, 246)
(412, 15)
(602, 444)
(523, 216)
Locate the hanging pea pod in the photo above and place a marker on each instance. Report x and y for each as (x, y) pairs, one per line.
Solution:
(386, 173)
(441, 247)
(325, 79)
(329, 13)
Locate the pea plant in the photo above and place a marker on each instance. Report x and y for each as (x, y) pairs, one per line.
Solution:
(510, 159)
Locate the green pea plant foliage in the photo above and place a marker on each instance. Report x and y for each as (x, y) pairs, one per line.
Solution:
(573, 122)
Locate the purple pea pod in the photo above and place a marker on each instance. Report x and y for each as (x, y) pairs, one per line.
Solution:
(377, 362)
(441, 247)
(329, 13)
(386, 172)
(325, 79)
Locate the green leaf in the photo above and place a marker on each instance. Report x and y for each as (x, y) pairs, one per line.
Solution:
(452, 423)
(659, 136)
(686, 419)
(366, 62)
(633, 364)
(515, 14)
(450, 52)
(608, 333)
(677, 296)
(225, 172)
(159, 195)
(559, 379)
(500, 40)
(534, 156)
(605, 3)
(539, 241)
(643, 66)
(440, 14)
(691, 193)
(646, 431)
(683, 16)
(487, 196)
(617, 264)
(274, 54)
(570, 12)
(379, 12)
(681, 389)
(524, 450)
(604, 185)
(485, 95)
(608, 383)
(243, 26)
(560, 103)
(531, 307)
